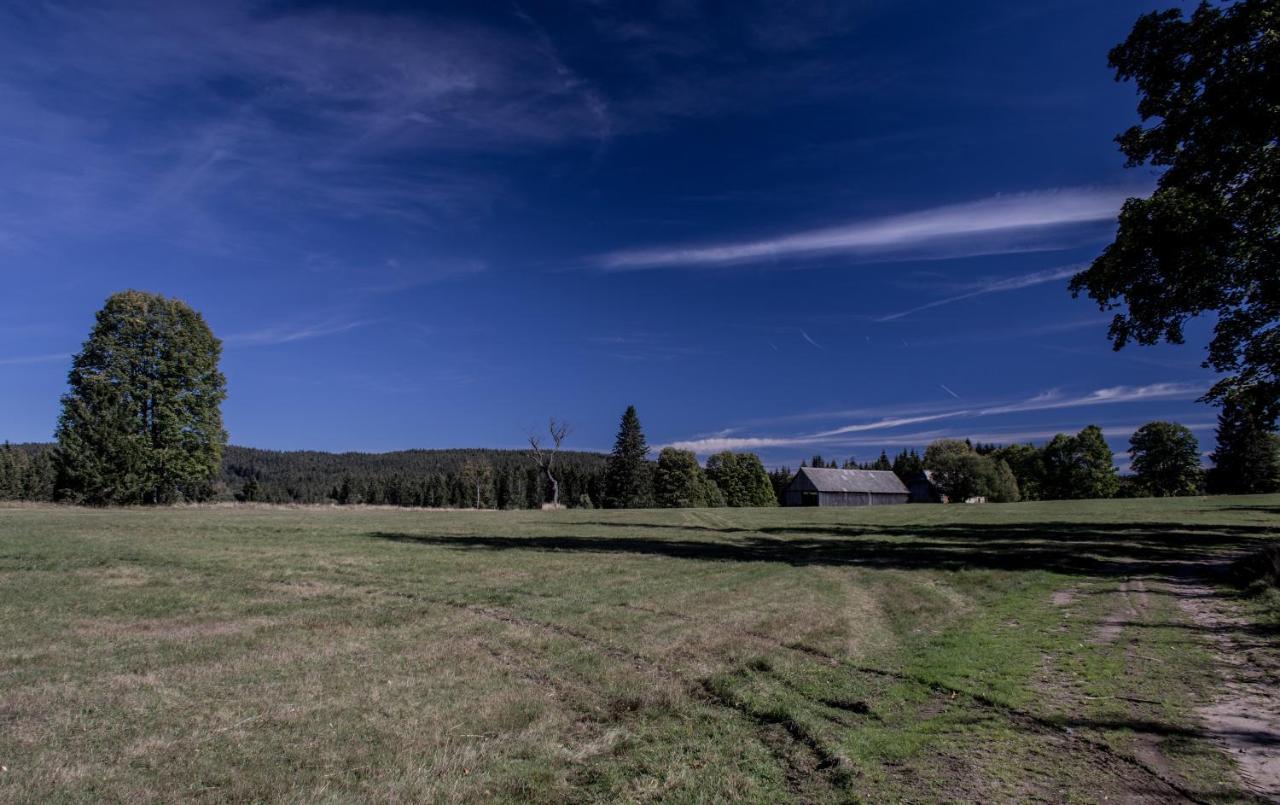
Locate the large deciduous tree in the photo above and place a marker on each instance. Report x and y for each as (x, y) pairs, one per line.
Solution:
(741, 479)
(1207, 241)
(679, 483)
(1027, 464)
(1165, 457)
(629, 477)
(1079, 467)
(960, 473)
(142, 421)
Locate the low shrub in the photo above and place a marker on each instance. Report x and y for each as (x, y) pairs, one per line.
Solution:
(1258, 572)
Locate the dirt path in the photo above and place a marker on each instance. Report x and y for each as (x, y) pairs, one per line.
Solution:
(1134, 600)
(1244, 717)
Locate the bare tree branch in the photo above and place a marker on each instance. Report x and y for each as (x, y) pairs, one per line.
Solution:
(545, 457)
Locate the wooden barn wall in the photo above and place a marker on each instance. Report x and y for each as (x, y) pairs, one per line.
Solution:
(859, 499)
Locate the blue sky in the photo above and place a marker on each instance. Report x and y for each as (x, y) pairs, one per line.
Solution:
(794, 228)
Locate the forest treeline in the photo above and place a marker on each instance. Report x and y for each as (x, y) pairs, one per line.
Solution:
(501, 479)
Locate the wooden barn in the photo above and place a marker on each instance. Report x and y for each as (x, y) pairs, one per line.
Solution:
(830, 487)
(924, 489)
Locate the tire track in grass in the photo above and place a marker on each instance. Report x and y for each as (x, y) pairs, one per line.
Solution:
(1030, 722)
(837, 770)
(839, 766)
(1153, 768)
(797, 772)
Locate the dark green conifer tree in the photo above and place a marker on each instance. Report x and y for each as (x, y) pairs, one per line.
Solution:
(780, 479)
(907, 465)
(629, 477)
(1247, 458)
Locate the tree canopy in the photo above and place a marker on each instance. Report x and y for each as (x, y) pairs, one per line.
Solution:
(1165, 457)
(961, 472)
(142, 421)
(742, 479)
(1207, 241)
(1079, 467)
(680, 483)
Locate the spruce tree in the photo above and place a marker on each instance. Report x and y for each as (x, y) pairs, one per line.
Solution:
(1247, 458)
(907, 466)
(628, 477)
(780, 479)
(142, 421)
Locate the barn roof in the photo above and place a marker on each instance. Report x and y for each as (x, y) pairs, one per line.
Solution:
(880, 482)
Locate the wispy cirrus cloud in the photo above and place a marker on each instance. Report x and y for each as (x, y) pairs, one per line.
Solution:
(987, 226)
(22, 360)
(306, 112)
(288, 333)
(994, 286)
(850, 434)
(1054, 399)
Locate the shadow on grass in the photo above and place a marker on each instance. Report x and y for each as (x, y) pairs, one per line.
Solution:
(1169, 550)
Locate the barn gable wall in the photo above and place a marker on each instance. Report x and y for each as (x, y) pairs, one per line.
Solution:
(832, 487)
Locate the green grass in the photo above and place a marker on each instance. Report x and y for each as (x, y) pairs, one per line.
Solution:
(914, 652)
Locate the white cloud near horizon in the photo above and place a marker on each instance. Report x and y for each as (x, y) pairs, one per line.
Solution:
(1046, 401)
(1002, 218)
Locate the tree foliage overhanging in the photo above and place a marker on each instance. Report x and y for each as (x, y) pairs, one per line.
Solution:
(1207, 241)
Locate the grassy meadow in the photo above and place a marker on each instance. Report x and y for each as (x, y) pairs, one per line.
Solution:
(1053, 651)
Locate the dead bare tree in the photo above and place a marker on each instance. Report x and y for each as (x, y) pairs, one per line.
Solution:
(545, 456)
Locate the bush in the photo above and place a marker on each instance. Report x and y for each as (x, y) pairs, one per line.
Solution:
(1259, 571)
